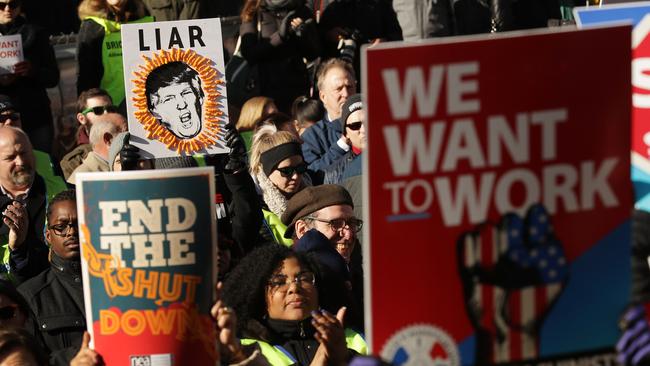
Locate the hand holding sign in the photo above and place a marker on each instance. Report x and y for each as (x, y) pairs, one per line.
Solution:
(86, 356)
(512, 274)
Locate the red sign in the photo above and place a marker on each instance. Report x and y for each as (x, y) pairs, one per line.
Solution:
(498, 184)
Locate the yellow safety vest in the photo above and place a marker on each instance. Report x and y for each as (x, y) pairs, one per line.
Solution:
(278, 356)
(277, 228)
(113, 78)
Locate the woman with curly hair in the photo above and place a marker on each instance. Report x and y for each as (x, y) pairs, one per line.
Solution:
(279, 297)
(99, 45)
(277, 166)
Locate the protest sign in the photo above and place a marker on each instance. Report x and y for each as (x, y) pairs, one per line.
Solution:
(638, 15)
(175, 87)
(11, 53)
(498, 197)
(149, 264)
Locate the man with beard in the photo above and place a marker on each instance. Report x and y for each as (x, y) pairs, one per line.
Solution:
(175, 98)
(23, 198)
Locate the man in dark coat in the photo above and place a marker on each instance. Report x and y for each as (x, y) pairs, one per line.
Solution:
(23, 197)
(55, 297)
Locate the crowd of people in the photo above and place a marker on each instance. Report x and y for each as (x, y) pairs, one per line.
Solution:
(290, 262)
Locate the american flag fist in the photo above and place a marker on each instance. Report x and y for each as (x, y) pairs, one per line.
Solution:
(512, 273)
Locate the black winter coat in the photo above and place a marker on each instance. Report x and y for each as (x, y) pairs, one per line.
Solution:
(282, 72)
(30, 258)
(57, 319)
(28, 92)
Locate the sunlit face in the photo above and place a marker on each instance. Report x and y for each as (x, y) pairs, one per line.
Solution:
(357, 137)
(10, 314)
(295, 301)
(343, 239)
(9, 10)
(287, 184)
(338, 85)
(16, 160)
(89, 118)
(116, 3)
(62, 233)
(178, 107)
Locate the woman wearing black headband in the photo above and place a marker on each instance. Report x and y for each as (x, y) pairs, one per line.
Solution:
(278, 167)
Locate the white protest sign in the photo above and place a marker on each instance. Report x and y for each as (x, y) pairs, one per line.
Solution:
(174, 76)
(11, 53)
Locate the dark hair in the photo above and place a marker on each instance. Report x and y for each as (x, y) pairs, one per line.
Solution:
(67, 195)
(82, 101)
(307, 109)
(245, 288)
(277, 119)
(13, 339)
(8, 289)
(171, 73)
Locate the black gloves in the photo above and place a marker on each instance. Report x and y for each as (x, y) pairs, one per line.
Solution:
(237, 159)
(129, 157)
(285, 29)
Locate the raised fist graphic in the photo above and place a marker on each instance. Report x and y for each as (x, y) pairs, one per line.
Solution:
(512, 273)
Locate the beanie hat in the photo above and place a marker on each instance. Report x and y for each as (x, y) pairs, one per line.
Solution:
(350, 106)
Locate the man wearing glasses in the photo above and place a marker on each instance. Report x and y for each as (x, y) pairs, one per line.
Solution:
(327, 208)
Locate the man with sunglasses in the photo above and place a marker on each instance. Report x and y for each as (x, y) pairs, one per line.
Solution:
(92, 105)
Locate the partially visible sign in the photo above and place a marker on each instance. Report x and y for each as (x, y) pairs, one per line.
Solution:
(11, 53)
(175, 87)
(499, 197)
(638, 14)
(149, 261)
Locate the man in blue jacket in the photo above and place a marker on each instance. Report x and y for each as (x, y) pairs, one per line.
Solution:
(324, 143)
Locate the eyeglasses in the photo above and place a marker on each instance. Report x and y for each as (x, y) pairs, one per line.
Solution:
(289, 171)
(354, 126)
(100, 110)
(282, 283)
(11, 4)
(8, 312)
(14, 116)
(63, 229)
(339, 224)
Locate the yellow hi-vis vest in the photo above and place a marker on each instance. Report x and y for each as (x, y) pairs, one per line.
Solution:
(278, 356)
(113, 78)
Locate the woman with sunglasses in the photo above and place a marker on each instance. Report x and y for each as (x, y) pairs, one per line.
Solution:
(278, 296)
(55, 297)
(276, 163)
(100, 30)
(353, 119)
(26, 81)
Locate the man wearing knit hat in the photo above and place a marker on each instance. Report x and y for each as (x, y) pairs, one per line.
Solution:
(327, 208)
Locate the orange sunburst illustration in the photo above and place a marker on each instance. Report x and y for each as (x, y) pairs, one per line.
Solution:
(211, 112)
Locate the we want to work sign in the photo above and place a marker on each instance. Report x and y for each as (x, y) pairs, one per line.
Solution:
(499, 194)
